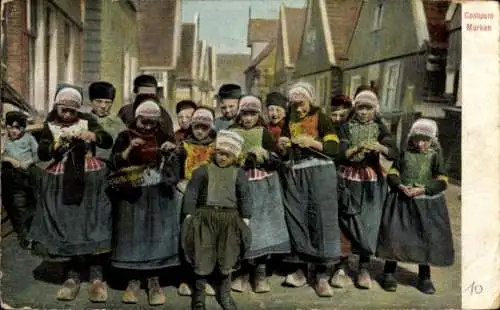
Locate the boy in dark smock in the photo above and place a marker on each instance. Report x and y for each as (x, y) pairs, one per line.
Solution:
(215, 234)
(228, 97)
(147, 86)
(147, 211)
(260, 160)
(19, 154)
(195, 151)
(415, 225)
(363, 139)
(73, 214)
(310, 188)
(101, 95)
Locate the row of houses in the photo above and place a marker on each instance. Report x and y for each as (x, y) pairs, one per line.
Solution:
(46, 42)
(409, 50)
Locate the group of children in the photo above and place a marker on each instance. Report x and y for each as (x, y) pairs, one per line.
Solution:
(221, 196)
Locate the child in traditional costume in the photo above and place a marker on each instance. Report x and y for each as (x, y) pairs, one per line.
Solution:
(215, 233)
(73, 214)
(101, 95)
(310, 188)
(147, 216)
(184, 110)
(362, 140)
(340, 110)
(195, 151)
(260, 161)
(19, 154)
(276, 113)
(415, 225)
(228, 96)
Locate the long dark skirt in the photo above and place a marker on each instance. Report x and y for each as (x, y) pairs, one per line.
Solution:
(215, 239)
(268, 225)
(416, 230)
(361, 207)
(69, 230)
(311, 211)
(146, 230)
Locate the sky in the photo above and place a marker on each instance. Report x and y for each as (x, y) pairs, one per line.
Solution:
(223, 23)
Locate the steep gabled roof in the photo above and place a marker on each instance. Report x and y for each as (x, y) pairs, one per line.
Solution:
(293, 21)
(263, 54)
(261, 30)
(342, 16)
(158, 30)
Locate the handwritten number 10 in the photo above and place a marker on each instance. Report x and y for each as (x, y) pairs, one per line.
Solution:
(474, 289)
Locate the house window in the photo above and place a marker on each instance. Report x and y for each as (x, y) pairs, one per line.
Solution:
(355, 83)
(47, 49)
(377, 18)
(31, 22)
(68, 51)
(390, 89)
(324, 91)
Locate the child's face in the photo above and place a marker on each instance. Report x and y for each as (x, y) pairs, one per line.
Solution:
(184, 118)
(229, 108)
(339, 115)
(421, 143)
(249, 119)
(364, 113)
(67, 114)
(146, 124)
(201, 131)
(275, 113)
(14, 131)
(301, 108)
(101, 106)
(224, 158)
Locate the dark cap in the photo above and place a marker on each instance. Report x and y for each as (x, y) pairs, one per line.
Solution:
(230, 91)
(277, 99)
(185, 104)
(145, 80)
(340, 102)
(16, 117)
(102, 90)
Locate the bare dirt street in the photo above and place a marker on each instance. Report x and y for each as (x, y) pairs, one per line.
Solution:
(20, 286)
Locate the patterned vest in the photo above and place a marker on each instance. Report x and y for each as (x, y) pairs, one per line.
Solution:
(416, 168)
(196, 155)
(359, 133)
(252, 138)
(307, 126)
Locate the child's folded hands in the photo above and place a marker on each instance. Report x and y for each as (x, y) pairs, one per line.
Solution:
(260, 153)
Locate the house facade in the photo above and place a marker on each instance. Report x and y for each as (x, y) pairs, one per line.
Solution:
(111, 47)
(261, 40)
(290, 30)
(259, 75)
(451, 123)
(260, 32)
(159, 46)
(187, 64)
(207, 75)
(327, 30)
(44, 47)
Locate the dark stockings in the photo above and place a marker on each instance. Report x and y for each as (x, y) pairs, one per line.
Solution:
(424, 271)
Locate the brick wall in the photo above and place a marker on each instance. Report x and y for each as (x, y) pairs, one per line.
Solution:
(17, 46)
